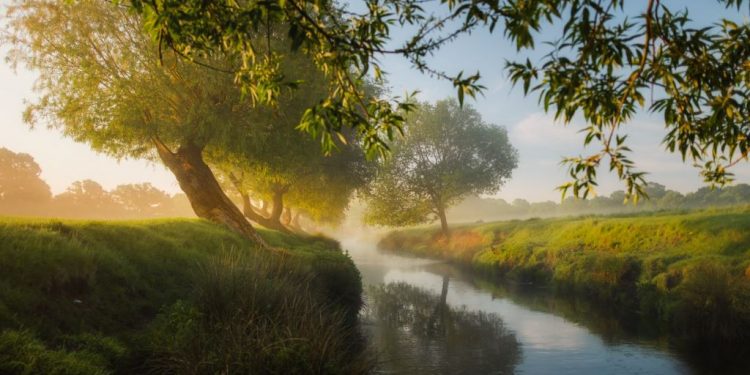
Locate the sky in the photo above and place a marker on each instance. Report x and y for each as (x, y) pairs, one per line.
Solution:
(540, 141)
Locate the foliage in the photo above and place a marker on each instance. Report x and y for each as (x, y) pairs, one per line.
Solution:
(103, 81)
(22, 353)
(342, 43)
(687, 270)
(601, 66)
(448, 152)
(605, 62)
(104, 296)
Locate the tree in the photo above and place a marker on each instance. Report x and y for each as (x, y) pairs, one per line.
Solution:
(289, 170)
(22, 191)
(104, 81)
(142, 200)
(87, 199)
(602, 66)
(448, 153)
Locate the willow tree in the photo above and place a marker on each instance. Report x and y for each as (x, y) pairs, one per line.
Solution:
(448, 153)
(103, 81)
(602, 61)
(289, 170)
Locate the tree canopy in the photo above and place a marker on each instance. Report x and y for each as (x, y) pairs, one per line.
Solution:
(448, 153)
(602, 66)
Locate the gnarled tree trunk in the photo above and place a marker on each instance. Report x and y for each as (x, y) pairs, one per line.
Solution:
(278, 203)
(249, 210)
(206, 197)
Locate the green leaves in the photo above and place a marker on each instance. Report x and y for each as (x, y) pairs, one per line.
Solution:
(603, 65)
(343, 44)
(448, 152)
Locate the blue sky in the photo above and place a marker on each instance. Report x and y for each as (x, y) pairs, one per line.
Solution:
(541, 142)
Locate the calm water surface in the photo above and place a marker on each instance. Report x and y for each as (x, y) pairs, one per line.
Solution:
(427, 317)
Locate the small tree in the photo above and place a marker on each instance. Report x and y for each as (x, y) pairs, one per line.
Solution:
(447, 154)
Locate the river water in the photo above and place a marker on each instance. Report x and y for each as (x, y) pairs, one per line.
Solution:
(427, 317)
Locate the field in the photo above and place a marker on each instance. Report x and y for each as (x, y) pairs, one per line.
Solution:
(173, 296)
(691, 271)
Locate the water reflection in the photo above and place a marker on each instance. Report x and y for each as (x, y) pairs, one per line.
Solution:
(553, 336)
(417, 332)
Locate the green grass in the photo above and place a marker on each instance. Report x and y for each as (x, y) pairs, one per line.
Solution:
(172, 296)
(690, 270)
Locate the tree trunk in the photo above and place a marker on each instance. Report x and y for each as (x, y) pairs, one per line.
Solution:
(254, 216)
(443, 221)
(249, 210)
(278, 204)
(206, 197)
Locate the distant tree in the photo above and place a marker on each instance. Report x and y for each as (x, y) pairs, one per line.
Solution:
(448, 153)
(521, 204)
(22, 191)
(655, 190)
(142, 200)
(671, 200)
(87, 199)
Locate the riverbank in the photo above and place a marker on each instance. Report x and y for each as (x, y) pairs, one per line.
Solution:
(173, 296)
(689, 272)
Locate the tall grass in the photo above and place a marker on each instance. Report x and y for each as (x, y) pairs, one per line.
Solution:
(690, 271)
(173, 297)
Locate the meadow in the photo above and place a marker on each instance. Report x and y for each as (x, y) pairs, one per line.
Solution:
(173, 296)
(689, 271)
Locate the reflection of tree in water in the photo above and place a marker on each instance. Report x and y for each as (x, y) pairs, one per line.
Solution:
(417, 332)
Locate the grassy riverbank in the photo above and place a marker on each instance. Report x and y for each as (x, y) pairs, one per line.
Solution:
(172, 296)
(691, 271)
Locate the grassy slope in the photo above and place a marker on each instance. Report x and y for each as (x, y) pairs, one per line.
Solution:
(171, 296)
(690, 270)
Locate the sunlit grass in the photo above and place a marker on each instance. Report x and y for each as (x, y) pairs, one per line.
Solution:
(690, 270)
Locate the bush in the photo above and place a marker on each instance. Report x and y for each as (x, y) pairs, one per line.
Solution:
(22, 353)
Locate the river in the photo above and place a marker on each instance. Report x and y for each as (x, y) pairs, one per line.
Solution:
(427, 317)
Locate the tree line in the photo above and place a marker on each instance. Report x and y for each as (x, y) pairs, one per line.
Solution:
(660, 198)
(24, 193)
